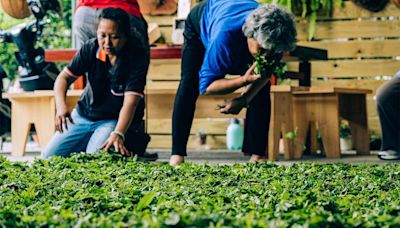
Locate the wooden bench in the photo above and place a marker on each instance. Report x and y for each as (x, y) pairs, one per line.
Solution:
(36, 108)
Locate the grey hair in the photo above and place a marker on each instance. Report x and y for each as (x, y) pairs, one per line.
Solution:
(272, 27)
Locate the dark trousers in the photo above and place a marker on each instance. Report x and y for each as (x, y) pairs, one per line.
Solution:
(258, 111)
(388, 104)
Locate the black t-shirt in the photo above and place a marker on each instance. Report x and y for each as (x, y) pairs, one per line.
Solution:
(106, 85)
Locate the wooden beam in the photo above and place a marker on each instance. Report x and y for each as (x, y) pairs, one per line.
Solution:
(158, 52)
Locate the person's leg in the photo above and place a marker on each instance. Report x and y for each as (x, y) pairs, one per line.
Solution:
(188, 90)
(85, 24)
(388, 105)
(257, 125)
(101, 131)
(74, 139)
(136, 141)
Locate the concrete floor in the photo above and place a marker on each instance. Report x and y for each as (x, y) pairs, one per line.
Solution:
(213, 156)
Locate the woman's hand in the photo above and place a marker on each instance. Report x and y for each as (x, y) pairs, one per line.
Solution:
(250, 77)
(233, 106)
(117, 142)
(61, 118)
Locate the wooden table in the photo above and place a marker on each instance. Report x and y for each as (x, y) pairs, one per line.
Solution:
(36, 108)
(327, 106)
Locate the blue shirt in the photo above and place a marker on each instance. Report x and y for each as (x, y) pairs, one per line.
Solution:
(226, 46)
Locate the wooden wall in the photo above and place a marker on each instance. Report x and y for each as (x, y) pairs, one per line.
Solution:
(363, 48)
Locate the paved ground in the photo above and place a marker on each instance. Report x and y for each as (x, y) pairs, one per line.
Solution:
(214, 156)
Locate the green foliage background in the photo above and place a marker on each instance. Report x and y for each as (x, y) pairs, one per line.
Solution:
(57, 34)
(308, 9)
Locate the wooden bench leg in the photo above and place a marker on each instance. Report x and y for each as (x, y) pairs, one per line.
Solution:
(300, 121)
(287, 125)
(274, 129)
(20, 127)
(313, 138)
(289, 144)
(281, 121)
(354, 109)
(359, 134)
(273, 140)
(329, 126)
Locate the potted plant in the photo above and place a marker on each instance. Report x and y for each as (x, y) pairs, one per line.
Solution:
(345, 136)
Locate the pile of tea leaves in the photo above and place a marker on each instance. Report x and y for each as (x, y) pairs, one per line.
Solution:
(109, 190)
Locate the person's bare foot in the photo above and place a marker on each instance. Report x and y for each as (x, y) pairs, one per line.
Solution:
(257, 158)
(176, 160)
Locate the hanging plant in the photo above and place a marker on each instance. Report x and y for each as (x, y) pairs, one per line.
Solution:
(308, 9)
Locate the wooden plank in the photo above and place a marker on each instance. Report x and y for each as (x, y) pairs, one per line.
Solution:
(161, 85)
(347, 10)
(160, 106)
(351, 83)
(350, 29)
(162, 21)
(40, 93)
(350, 10)
(156, 52)
(166, 33)
(333, 89)
(165, 69)
(352, 68)
(357, 48)
(153, 32)
(374, 125)
(165, 141)
(371, 106)
(209, 126)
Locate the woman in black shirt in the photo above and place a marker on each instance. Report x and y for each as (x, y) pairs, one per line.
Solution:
(112, 103)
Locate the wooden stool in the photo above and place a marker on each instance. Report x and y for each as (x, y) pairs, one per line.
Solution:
(36, 108)
(326, 106)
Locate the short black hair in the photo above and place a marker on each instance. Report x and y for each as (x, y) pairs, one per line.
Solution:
(372, 5)
(119, 16)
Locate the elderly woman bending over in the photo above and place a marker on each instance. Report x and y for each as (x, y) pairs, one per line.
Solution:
(223, 37)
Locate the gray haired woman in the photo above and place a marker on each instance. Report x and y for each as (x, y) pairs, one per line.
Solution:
(223, 37)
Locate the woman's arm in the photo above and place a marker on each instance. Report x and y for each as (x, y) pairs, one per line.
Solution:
(125, 118)
(60, 90)
(226, 86)
(235, 105)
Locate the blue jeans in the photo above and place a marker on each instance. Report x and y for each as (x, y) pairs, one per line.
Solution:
(83, 135)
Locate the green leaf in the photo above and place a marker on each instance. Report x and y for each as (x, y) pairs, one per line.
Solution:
(312, 21)
(146, 200)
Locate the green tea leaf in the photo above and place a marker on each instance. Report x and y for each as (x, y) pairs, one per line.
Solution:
(146, 200)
